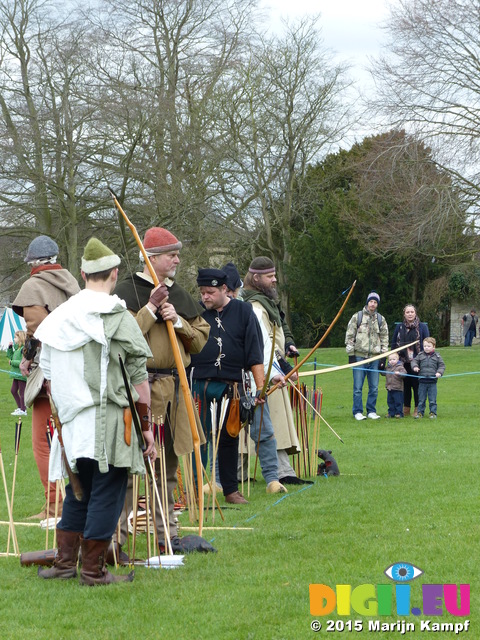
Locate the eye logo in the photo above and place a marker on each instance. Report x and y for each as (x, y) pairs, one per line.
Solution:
(402, 572)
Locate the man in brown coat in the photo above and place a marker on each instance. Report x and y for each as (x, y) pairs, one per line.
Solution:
(47, 288)
(152, 307)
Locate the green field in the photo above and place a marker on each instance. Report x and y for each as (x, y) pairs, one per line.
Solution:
(408, 492)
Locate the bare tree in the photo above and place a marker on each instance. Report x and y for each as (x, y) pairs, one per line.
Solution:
(159, 78)
(402, 206)
(45, 145)
(287, 112)
(429, 81)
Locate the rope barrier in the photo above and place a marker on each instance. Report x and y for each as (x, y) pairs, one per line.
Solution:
(270, 506)
(404, 375)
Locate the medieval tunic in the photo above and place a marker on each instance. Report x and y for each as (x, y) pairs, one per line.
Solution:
(191, 338)
(81, 342)
(168, 403)
(46, 289)
(234, 345)
(268, 315)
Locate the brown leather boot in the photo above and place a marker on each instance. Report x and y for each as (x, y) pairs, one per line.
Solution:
(406, 411)
(94, 570)
(65, 563)
(415, 413)
(44, 558)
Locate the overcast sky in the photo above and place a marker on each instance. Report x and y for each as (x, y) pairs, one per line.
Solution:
(350, 28)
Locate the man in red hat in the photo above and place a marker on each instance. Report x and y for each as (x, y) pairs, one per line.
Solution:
(152, 307)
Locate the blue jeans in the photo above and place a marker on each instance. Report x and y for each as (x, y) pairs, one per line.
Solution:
(205, 394)
(427, 390)
(469, 336)
(371, 372)
(267, 448)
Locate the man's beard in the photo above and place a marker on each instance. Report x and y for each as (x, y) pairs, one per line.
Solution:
(269, 290)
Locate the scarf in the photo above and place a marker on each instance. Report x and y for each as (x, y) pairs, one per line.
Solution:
(45, 267)
(405, 333)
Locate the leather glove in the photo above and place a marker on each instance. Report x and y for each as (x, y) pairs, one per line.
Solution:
(381, 364)
(351, 359)
(291, 350)
(158, 295)
(30, 348)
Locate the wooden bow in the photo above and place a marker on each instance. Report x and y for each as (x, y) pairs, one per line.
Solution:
(313, 349)
(317, 372)
(187, 396)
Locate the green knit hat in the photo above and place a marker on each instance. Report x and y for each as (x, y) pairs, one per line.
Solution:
(98, 257)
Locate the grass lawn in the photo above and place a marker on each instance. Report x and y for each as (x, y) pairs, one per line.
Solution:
(408, 492)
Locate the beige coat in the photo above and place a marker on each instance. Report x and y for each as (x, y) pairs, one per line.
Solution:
(191, 338)
(279, 401)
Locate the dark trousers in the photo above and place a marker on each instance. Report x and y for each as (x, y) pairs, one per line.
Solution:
(18, 392)
(395, 403)
(206, 391)
(97, 514)
(410, 384)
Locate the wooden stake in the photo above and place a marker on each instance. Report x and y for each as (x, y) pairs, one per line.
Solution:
(9, 509)
(18, 432)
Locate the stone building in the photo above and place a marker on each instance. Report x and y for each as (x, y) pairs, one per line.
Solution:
(457, 311)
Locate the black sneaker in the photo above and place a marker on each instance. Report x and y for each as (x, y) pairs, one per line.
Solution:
(294, 480)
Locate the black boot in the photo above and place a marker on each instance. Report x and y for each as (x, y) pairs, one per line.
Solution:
(65, 563)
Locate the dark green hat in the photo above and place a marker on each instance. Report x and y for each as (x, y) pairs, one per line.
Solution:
(98, 257)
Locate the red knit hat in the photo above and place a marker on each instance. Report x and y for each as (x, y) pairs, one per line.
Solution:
(158, 240)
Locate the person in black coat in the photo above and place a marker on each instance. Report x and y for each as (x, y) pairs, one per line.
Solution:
(405, 332)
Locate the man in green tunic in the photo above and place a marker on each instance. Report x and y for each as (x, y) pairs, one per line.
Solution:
(81, 344)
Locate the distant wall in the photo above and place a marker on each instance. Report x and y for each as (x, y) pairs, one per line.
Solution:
(457, 311)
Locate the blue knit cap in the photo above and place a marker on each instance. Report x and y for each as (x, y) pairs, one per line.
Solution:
(373, 295)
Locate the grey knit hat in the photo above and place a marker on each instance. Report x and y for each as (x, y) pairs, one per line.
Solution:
(41, 247)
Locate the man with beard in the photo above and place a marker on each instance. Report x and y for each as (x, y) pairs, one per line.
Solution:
(152, 307)
(260, 290)
(234, 347)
